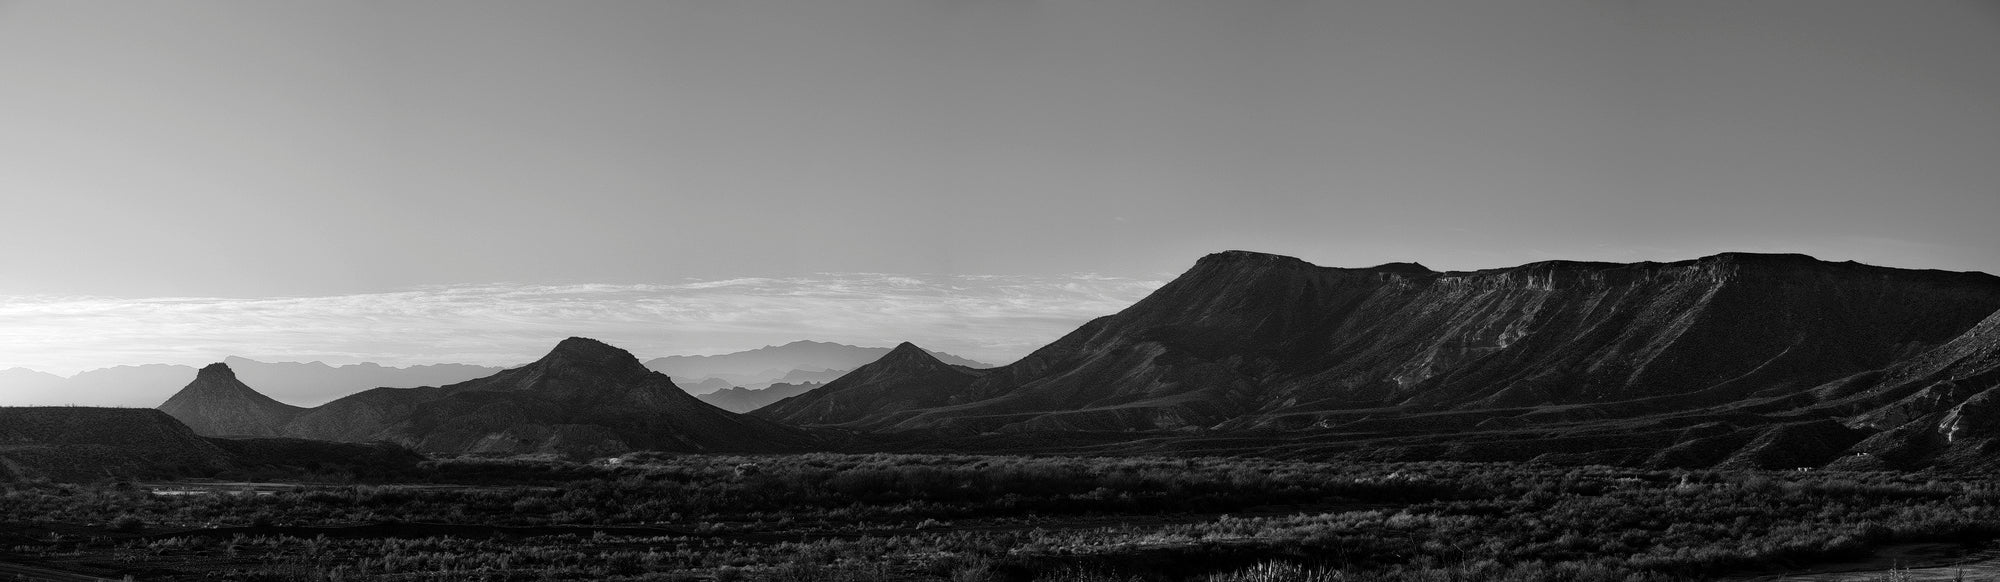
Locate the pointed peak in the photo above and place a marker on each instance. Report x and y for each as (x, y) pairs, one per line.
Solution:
(908, 353)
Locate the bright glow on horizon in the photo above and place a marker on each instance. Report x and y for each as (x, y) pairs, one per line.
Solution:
(995, 319)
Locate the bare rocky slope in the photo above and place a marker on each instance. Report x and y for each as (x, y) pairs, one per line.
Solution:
(217, 404)
(1729, 360)
(584, 398)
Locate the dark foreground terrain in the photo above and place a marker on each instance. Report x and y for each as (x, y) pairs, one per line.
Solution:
(957, 517)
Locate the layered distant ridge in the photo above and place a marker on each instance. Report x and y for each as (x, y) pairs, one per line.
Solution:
(795, 362)
(740, 400)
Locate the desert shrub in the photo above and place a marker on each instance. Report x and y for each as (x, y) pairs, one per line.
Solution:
(127, 524)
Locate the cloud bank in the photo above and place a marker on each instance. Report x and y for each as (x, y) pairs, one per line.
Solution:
(995, 319)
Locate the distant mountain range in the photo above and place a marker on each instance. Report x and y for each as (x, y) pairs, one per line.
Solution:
(307, 383)
(740, 400)
(314, 383)
(584, 398)
(1730, 361)
(796, 362)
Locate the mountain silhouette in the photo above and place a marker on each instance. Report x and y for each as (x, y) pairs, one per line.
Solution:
(799, 361)
(1256, 341)
(905, 379)
(217, 404)
(584, 398)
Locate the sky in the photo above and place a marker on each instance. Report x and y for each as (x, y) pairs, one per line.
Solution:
(993, 319)
(207, 177)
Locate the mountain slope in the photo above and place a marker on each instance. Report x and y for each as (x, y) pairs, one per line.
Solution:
(77, 444)
(1941, 407)
(794, 362)
(217, 404)
(67, 443)
(583, 398)
(906, 378)
(1246, 340)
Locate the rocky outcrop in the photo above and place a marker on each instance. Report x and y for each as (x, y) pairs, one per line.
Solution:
(217, 404)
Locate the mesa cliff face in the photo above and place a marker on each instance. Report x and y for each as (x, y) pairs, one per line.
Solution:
(217, 404)
(1249, 340)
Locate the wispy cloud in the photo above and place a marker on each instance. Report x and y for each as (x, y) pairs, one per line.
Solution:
(991, 318)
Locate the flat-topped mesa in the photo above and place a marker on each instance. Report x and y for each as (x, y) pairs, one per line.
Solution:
(216, 371)
(1251, 258)
(583, 349)
(1409, 268)
(1257, 260)
(581, 353)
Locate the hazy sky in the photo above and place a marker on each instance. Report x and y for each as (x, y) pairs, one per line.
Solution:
(243, 151)
(988, 318)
